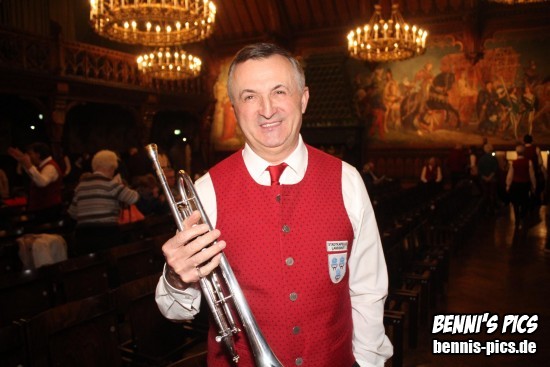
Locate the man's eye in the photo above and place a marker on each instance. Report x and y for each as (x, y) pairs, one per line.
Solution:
(248, 98)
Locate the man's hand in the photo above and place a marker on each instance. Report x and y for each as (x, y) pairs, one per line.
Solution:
(189, 255)
(20, 157)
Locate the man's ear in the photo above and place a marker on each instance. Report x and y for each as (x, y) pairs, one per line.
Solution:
(305, 99)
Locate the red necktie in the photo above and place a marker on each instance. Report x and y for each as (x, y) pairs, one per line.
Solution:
(275, 172)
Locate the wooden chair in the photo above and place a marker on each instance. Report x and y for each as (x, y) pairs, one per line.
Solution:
(393, 322)
(81, 333)
(80, 277)
(152, 340)
(133, 261)
(25, 294)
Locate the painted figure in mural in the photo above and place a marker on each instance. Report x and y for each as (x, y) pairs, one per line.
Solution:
(467, 95)
(376, 112)
(509, 102)
(439, 97)
(411, 103)
(487, 108)
(529, 101)
(423, 78)
(392, 101)
(531, 75)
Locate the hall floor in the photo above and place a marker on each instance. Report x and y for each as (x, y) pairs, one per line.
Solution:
(500, 270)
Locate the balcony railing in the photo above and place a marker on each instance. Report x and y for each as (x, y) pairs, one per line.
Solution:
(91, 64)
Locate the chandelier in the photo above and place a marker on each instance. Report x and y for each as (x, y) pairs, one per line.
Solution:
(153, 22)
(381, 41)
(162, 63)
(162, 25)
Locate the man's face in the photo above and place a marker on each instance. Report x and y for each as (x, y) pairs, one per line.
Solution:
(269, 105)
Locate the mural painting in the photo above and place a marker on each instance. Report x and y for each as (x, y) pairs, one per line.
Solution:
(226, 134)
(440, 98)
(437, 99)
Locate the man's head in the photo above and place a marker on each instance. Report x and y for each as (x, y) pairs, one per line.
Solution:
(266, 86)
(528, 139)
(368, 167)
(106, 162)
(520, 150)
(38, 152)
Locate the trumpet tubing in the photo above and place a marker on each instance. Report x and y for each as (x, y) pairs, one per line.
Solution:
(222, 279)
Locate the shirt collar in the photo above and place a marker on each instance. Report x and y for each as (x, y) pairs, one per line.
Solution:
(296, 161)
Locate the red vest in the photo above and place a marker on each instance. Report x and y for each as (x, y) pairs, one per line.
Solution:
(531, 154)
(431, 173)
(48, 196)
(521, 170)
(277, 244)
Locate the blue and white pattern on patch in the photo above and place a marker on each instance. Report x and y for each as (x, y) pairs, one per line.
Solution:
(337, 260)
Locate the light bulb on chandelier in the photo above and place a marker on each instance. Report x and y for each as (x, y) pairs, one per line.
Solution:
(153, 22)
(166, 64)
(382, 41)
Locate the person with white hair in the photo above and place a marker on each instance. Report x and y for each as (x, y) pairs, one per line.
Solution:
(96, 205)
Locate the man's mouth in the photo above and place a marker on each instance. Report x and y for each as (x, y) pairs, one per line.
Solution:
(268, 125)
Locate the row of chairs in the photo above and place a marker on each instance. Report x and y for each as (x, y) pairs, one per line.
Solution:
(416, 262)
(10, 261)
(119, 327)
(418, 247)
(25, 293)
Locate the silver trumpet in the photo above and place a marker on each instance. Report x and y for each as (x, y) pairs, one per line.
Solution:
(212, 287)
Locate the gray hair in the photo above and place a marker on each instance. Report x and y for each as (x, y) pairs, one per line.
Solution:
(104, 159)
(260, 51)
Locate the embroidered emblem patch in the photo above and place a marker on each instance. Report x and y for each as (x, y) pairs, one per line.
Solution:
(337, 258)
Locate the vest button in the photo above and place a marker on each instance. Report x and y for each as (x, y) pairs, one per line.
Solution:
(286, 228)
(296, 330)
(299, 361)
(289, 261)
(278, 198)
(293, 296)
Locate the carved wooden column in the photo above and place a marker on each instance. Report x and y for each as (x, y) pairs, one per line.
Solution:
(58, 115)
(148, 111)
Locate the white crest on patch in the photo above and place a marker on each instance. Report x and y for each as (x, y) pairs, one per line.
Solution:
(337, 260)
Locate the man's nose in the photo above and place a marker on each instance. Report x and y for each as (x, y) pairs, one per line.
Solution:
(267, 107)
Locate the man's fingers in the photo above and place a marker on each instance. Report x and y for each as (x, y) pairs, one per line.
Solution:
(206, 269)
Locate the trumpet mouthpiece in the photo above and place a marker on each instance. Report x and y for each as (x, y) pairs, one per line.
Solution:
(152, 150)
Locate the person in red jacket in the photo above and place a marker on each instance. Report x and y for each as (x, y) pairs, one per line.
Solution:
(303, 243)
(45, 191)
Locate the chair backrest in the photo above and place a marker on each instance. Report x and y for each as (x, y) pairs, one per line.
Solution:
(25, 293)
(81, 333)
(81, 277)
(154, 340)
(132, 261)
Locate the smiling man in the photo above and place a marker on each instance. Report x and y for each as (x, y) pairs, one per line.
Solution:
(296, 225)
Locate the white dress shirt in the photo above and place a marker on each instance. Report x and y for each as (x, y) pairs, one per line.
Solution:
(45, 176)
(368, 278)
